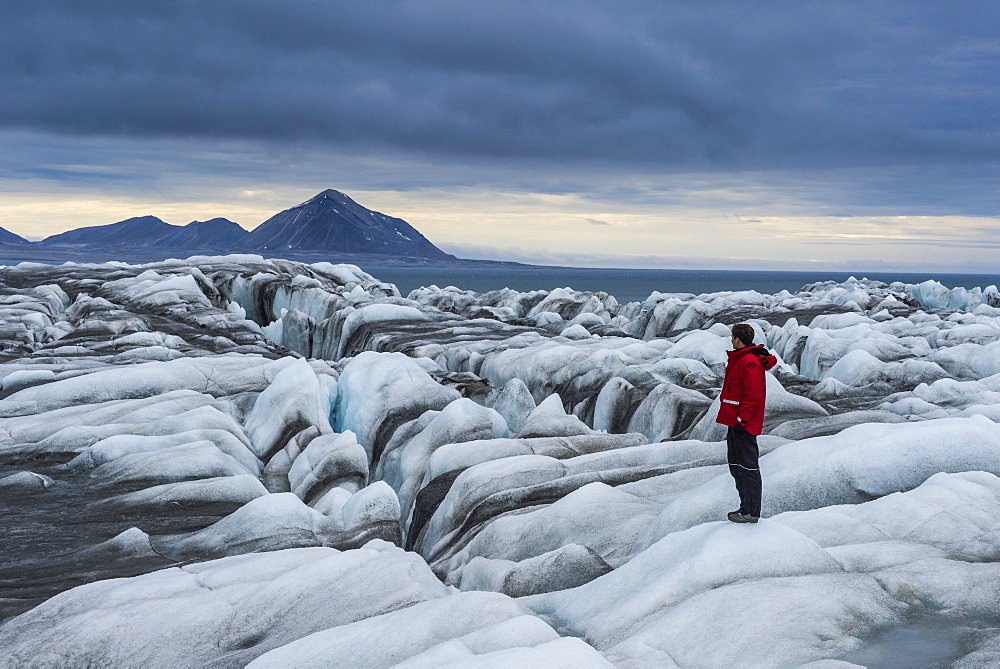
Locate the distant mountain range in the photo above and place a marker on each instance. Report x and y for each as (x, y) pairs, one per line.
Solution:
(330, 221)
(138, 231)
(8, 237)
(215, 232)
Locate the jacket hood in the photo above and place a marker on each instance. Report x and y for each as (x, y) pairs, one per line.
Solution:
(767, 361)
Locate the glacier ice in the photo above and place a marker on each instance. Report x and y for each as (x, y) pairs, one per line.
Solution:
(231, 460)
(226, 611)
(473, 628)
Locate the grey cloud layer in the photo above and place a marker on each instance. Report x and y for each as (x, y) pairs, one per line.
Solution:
(673, 85)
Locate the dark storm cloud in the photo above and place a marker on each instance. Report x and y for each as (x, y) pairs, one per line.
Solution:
(677, 85)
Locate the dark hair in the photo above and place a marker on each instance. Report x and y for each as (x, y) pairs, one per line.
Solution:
(744, 333)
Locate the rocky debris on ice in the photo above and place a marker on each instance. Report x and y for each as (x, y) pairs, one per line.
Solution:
(565, 567)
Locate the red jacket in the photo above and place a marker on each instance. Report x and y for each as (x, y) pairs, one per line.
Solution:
(745, 388)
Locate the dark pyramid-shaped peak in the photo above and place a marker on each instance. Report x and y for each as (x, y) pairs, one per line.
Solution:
(136, 231)
(330, 198)
(329, 194)
(332, 221)
(341, 202)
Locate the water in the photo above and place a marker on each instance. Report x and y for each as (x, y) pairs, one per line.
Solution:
(629, 285)
(927, 640)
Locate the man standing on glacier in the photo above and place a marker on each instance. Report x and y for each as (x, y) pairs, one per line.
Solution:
(742, 409)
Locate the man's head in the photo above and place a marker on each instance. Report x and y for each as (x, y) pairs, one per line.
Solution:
(742, 335)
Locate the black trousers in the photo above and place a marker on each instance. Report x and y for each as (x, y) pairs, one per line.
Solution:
(743, 466)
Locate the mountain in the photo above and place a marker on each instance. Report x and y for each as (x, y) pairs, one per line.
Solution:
(8, 237)
(150, 231)
(217, 233)
(130, 232)
(331, 221)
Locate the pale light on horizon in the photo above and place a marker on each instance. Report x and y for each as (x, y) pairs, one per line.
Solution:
(560, 229)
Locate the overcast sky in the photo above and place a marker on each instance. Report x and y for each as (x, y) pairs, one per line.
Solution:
(841, 135)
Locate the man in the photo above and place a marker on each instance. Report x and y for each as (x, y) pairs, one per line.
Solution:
(742, 409)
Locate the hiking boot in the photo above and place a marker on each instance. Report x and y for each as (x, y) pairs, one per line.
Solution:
(738, 517)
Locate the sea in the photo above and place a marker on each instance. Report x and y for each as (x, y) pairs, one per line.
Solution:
(627, 285)
(635, 285)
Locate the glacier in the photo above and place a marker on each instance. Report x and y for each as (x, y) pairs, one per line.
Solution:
(234, 461)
